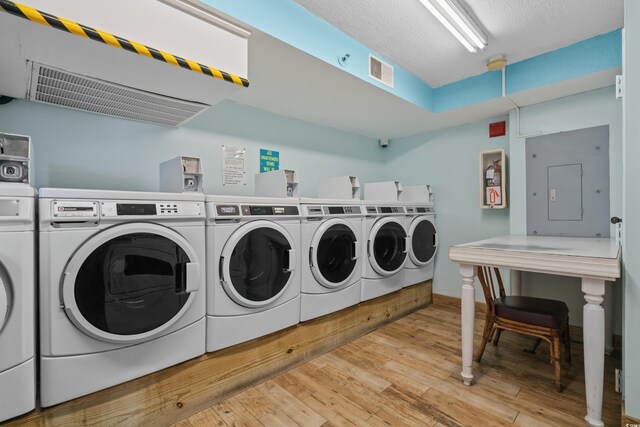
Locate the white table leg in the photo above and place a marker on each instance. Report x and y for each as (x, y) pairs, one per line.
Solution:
(593, 336)
(608, 321)
(516, 282)
(468, 273)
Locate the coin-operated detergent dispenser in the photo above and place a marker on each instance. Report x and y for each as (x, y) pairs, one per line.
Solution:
(181, 175)
(279, 183)
(15, 160)
(387, 191)
(339, 187)
(422, 193)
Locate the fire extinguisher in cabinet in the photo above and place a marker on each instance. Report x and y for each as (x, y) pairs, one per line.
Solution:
(493, 176)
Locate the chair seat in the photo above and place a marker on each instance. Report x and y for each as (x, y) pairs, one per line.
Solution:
(536, 311)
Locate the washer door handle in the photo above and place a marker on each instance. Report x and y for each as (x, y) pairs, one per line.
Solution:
(188, 277)
(355, 248)
(407, 243)
(289, 261)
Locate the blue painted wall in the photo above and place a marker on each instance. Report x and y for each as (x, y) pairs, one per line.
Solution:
(448, 160)
(81, 150)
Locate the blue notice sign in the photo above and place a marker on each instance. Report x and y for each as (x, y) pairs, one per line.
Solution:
(269, 160)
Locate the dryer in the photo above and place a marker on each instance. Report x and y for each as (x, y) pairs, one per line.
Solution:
(423, 242)
(253, 260)
(386, 248)
(17, 300)
(331, 256)
(122, 287)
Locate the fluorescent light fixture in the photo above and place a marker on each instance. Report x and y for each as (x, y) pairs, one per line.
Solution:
(458, 22)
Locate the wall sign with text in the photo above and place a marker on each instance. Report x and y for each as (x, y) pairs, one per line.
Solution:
(269, 160)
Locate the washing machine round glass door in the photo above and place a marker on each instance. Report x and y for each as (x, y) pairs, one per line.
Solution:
(130, 282)
(257, 263)
(424, 241)
(4, 299)
(387, 246)
(334, 253)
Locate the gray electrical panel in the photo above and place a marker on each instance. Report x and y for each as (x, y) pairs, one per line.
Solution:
(568, 183)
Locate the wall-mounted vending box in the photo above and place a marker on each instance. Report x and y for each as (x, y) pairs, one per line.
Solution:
(387, 191)
(418, 193)
(181, 174)
(280, 183)
(15, 159)
(339, 187)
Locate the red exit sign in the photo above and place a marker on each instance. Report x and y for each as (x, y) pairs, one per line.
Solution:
(497, 129)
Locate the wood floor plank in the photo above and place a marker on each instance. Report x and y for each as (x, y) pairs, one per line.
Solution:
(255, 402)
(233, 413)
(456, 389)
(331, 398)
(206, 418)
(461, 411)
(372, 381)
(182, 423)
(290, 405)
(328, 411)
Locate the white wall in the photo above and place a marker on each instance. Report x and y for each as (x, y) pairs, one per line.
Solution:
(81, 150)
(448, 160)
(599, 107)
(631, 213)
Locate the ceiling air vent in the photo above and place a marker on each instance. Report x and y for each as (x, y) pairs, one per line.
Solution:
(53, 86)
(380, 71)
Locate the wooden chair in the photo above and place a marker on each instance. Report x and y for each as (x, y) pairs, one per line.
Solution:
(542, 318)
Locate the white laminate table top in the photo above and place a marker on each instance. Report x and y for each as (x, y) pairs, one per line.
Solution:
(548, 245)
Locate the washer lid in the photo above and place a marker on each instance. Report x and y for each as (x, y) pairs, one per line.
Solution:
(257, 263)
(130, 282)
(424, 241)
(387, 246)
(334, 253)
(4, 301)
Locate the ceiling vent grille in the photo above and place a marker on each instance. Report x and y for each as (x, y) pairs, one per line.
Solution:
(53, 86)
(380, 71)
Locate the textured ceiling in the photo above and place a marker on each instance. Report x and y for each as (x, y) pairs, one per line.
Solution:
(406, 33)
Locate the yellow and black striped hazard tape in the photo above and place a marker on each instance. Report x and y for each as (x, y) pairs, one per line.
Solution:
(68, 26)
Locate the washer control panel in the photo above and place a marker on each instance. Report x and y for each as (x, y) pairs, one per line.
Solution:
(115, 209)
(75, 209)
(80, 209)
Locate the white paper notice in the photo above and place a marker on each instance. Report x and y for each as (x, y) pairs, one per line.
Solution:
(233, 171)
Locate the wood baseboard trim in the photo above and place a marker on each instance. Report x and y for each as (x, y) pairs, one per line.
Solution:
(182, 390)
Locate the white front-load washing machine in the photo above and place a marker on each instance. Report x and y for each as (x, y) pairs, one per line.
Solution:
(423, 242)
(253, 274)
(17, 300)
(386, 248)
(331, 256)
(122, 287)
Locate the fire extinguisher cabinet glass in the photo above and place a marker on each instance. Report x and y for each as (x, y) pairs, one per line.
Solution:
(493, 180)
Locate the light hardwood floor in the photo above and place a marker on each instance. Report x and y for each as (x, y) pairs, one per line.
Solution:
(407, 374)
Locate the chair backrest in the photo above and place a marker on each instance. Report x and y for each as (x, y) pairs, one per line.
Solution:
(486, 278)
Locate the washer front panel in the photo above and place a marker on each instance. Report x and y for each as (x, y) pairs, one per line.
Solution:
(387, 246)
(130, 282)
(257, 263)
(424, 241)
(334, 253)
